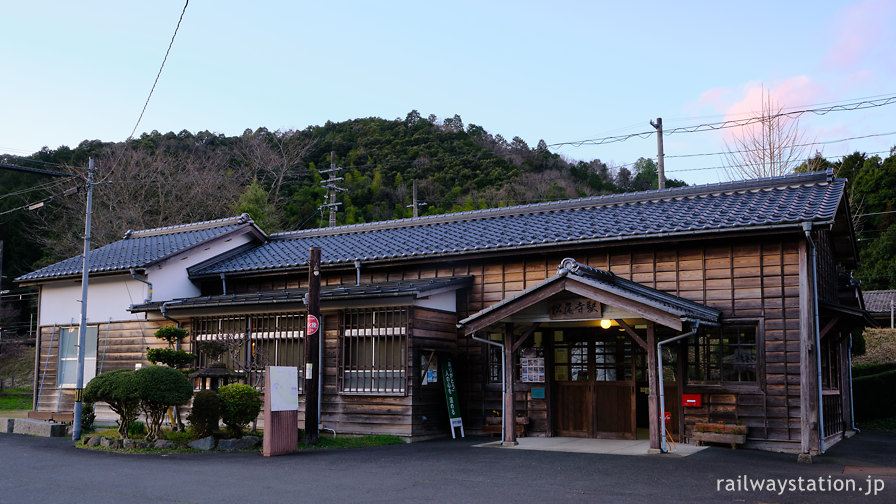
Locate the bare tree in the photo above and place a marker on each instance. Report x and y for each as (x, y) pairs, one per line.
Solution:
(772, 146)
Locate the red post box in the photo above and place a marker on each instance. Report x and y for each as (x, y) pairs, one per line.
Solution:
(691, 400)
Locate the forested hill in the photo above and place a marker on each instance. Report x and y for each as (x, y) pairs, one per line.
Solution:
(173, 178)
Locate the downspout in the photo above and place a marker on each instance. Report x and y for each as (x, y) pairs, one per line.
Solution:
(664, 447)
(852, 403)
(807, 227)
(223, 284)
(503, 381)
(134, 276)
(358, 271)
(164, 310)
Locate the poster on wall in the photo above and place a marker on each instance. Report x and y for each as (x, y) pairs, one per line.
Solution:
(532, 365)
(284, 390)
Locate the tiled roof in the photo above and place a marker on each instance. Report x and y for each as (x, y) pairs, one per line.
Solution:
(421, 287)
(608, 282)
(140, 248)
(732, 206)
(879, 301)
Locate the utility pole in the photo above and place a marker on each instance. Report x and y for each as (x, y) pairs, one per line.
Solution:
(415, 203)
(312, 349)
(658, 125)
(82, 331)
(330, 184)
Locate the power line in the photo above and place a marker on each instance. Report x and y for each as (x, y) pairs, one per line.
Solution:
(735, 123)
(160, 70)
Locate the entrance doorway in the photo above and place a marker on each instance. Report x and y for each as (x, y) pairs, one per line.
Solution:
(594, 376)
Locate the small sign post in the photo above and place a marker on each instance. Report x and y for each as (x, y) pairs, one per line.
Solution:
(281, 410)
(447, 369)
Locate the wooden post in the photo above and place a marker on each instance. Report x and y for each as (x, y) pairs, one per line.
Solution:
(682, 373)
(656, 427)
(808, 373)
(312, 348)
(509, 406)
(845, 399)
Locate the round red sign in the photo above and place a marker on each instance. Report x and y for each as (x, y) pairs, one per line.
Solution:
(313, 325)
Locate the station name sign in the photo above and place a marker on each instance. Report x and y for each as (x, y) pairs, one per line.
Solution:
(577, 308)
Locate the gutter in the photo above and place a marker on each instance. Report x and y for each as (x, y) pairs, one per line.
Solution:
(134, 276)
(664, 447)
(807, 227)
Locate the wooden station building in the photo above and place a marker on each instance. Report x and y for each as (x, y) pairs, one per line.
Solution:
(728, 302)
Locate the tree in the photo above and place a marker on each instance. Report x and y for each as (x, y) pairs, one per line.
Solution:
(770, 147)
(119, 390)
(159, 388)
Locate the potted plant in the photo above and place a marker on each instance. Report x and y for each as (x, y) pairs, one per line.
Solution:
(720, 432)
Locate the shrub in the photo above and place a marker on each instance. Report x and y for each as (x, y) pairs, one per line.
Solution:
(136, 428)
(205, 414)
(874, 396)
(171, 334)
(240, 405)
(169, 357)
(88, 416)
(872, 369)
(213, 349)
(160, 387)
(119, 389)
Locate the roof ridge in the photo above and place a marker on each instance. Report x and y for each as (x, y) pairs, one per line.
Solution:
(193, 226)
(590, 201)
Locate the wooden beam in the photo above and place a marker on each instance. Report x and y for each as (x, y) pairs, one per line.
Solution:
(830, 325)
(525, 336)
(631, 332)
(514, 306)
(649, 312)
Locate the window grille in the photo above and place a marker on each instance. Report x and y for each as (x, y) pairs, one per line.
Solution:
(373, 351)
(723, 355)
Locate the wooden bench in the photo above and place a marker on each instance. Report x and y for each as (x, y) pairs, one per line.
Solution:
(52, 416)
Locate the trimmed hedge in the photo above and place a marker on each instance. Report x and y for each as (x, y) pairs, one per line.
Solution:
(872, 369)
(874, 395)
(205, 413)
(240, 405)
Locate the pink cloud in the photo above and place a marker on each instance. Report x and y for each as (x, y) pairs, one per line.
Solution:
(859, 31)
(788, 94)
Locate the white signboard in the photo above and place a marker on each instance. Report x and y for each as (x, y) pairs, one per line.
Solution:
(284, 388)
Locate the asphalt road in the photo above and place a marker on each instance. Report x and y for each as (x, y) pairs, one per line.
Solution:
(43, 470)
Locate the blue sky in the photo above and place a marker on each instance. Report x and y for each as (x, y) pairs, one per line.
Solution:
(558, 71)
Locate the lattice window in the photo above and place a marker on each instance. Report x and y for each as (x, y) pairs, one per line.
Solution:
(373, 351)
(723, 354)
(249, 343)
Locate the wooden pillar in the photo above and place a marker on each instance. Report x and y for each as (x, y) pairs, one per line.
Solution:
(845, 389)
(809, 435)
(682, 374)
(509, 412)
(653, 407)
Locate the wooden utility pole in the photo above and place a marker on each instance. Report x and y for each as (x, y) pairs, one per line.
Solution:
(312, 349)
(659, 151)
(415, 203)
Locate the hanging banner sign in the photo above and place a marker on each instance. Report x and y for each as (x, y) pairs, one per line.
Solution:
(312, 326)
(447, 369)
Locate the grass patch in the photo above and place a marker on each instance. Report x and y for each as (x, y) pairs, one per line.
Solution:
(15, 402)
(884, 424)
(332, 443)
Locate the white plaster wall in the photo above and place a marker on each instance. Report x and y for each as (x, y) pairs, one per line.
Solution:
(169, 278)
(446, 301)
(107, 299)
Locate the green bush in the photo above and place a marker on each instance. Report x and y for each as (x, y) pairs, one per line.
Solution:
(240, 405)
(88, 416)
(872, 369)
(136, 428)
(171, 334)
(160, 387)
(205, 413)
(119, 389)
(169, 357)
(873, 395)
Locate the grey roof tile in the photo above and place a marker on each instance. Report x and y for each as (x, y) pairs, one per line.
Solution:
(879, 301)
(777, 201)
(140, 248)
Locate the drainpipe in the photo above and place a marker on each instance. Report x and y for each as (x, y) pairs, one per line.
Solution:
(223, 284)
(134, 276)
(503, 381)
(164, 310)
(807, 227)
(852, 403)
(664, 447)
(358, 271)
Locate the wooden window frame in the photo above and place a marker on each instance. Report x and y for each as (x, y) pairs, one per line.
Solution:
(65, 360)
(756, 385)
(373, 351)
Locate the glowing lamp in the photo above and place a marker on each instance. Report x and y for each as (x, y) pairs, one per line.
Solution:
(606, 323)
